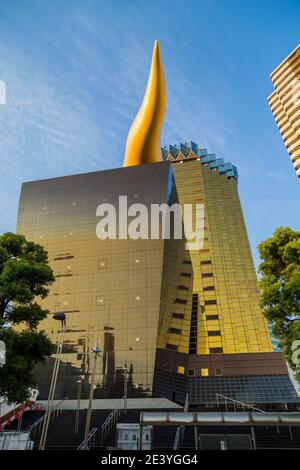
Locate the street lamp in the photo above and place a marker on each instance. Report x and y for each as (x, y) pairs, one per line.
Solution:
(79, 382)
(125, 388)
(96, 350)
(60, 316)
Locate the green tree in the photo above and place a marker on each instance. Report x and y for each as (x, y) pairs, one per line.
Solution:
(24, 276)
(280, 288)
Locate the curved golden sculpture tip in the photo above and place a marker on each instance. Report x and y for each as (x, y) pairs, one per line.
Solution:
(143, 141)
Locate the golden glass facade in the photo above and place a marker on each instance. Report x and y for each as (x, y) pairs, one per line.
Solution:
(109, 289)
(222, 274)
(212, 336)
(285, 104)
(179, 321)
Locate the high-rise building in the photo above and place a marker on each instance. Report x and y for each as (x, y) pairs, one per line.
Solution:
(285, 104)
(176, 319)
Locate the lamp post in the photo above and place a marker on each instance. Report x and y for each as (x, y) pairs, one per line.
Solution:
(125, 388)
(62, 318)
(79, 382)
(96, 350)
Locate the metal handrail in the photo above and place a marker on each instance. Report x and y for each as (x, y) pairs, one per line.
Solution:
(56, 407)
(111, 420)
(180, 429)
(92, 434)
(177, 437)
(238, 402)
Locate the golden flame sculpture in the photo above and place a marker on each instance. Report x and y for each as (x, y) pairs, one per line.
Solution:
(143, 141)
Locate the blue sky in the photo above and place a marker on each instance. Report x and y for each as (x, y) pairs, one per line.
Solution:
(76, 71)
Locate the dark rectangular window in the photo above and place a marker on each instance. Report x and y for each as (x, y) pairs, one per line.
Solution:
(178, 315)
(63, 257)
(216, 350)
(194, 326)
(185, 274)
(212, 317)
(182, 287)
(219, 371)
(214, 333)
(210, 302)
(180, 301)
(205, 262)
(191, 372)
(63, 275)
(173, 347)
(175, 331)
(186, 261)
(207, 275)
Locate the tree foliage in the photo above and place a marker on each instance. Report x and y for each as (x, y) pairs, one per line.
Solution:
(25, 275)
(280, 288)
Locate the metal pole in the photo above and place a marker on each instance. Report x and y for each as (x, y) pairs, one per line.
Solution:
(96, 352)
(196, 437)
(52, 387)
(125, 390)
(140, 438)
(49, 402)
(20, 419)
(50, 410)
(78, 406)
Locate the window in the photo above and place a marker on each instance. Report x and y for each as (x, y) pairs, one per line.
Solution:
(100, 301)
(205, 262)
(186, 261)
(193, 341)
(101, 263)
(216, 350)
(204, 373)
(182, 287)
(64, 275)
(210, 302)
(185, 274)
(214, 333)
(173, 347)
(175, 331)
(63, 257)
(180, 369)
(191, 373)
(178, 315)
(219, 371)
(212, 317)
(209, 288)
(207, 275)
(180, 301)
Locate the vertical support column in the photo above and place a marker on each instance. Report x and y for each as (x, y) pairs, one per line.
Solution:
(196, 437)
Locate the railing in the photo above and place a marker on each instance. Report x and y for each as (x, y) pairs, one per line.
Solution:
(111, 420)
(91, 439)
(56, 409)
(177, 438)
(180, 430)
(237, 402)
